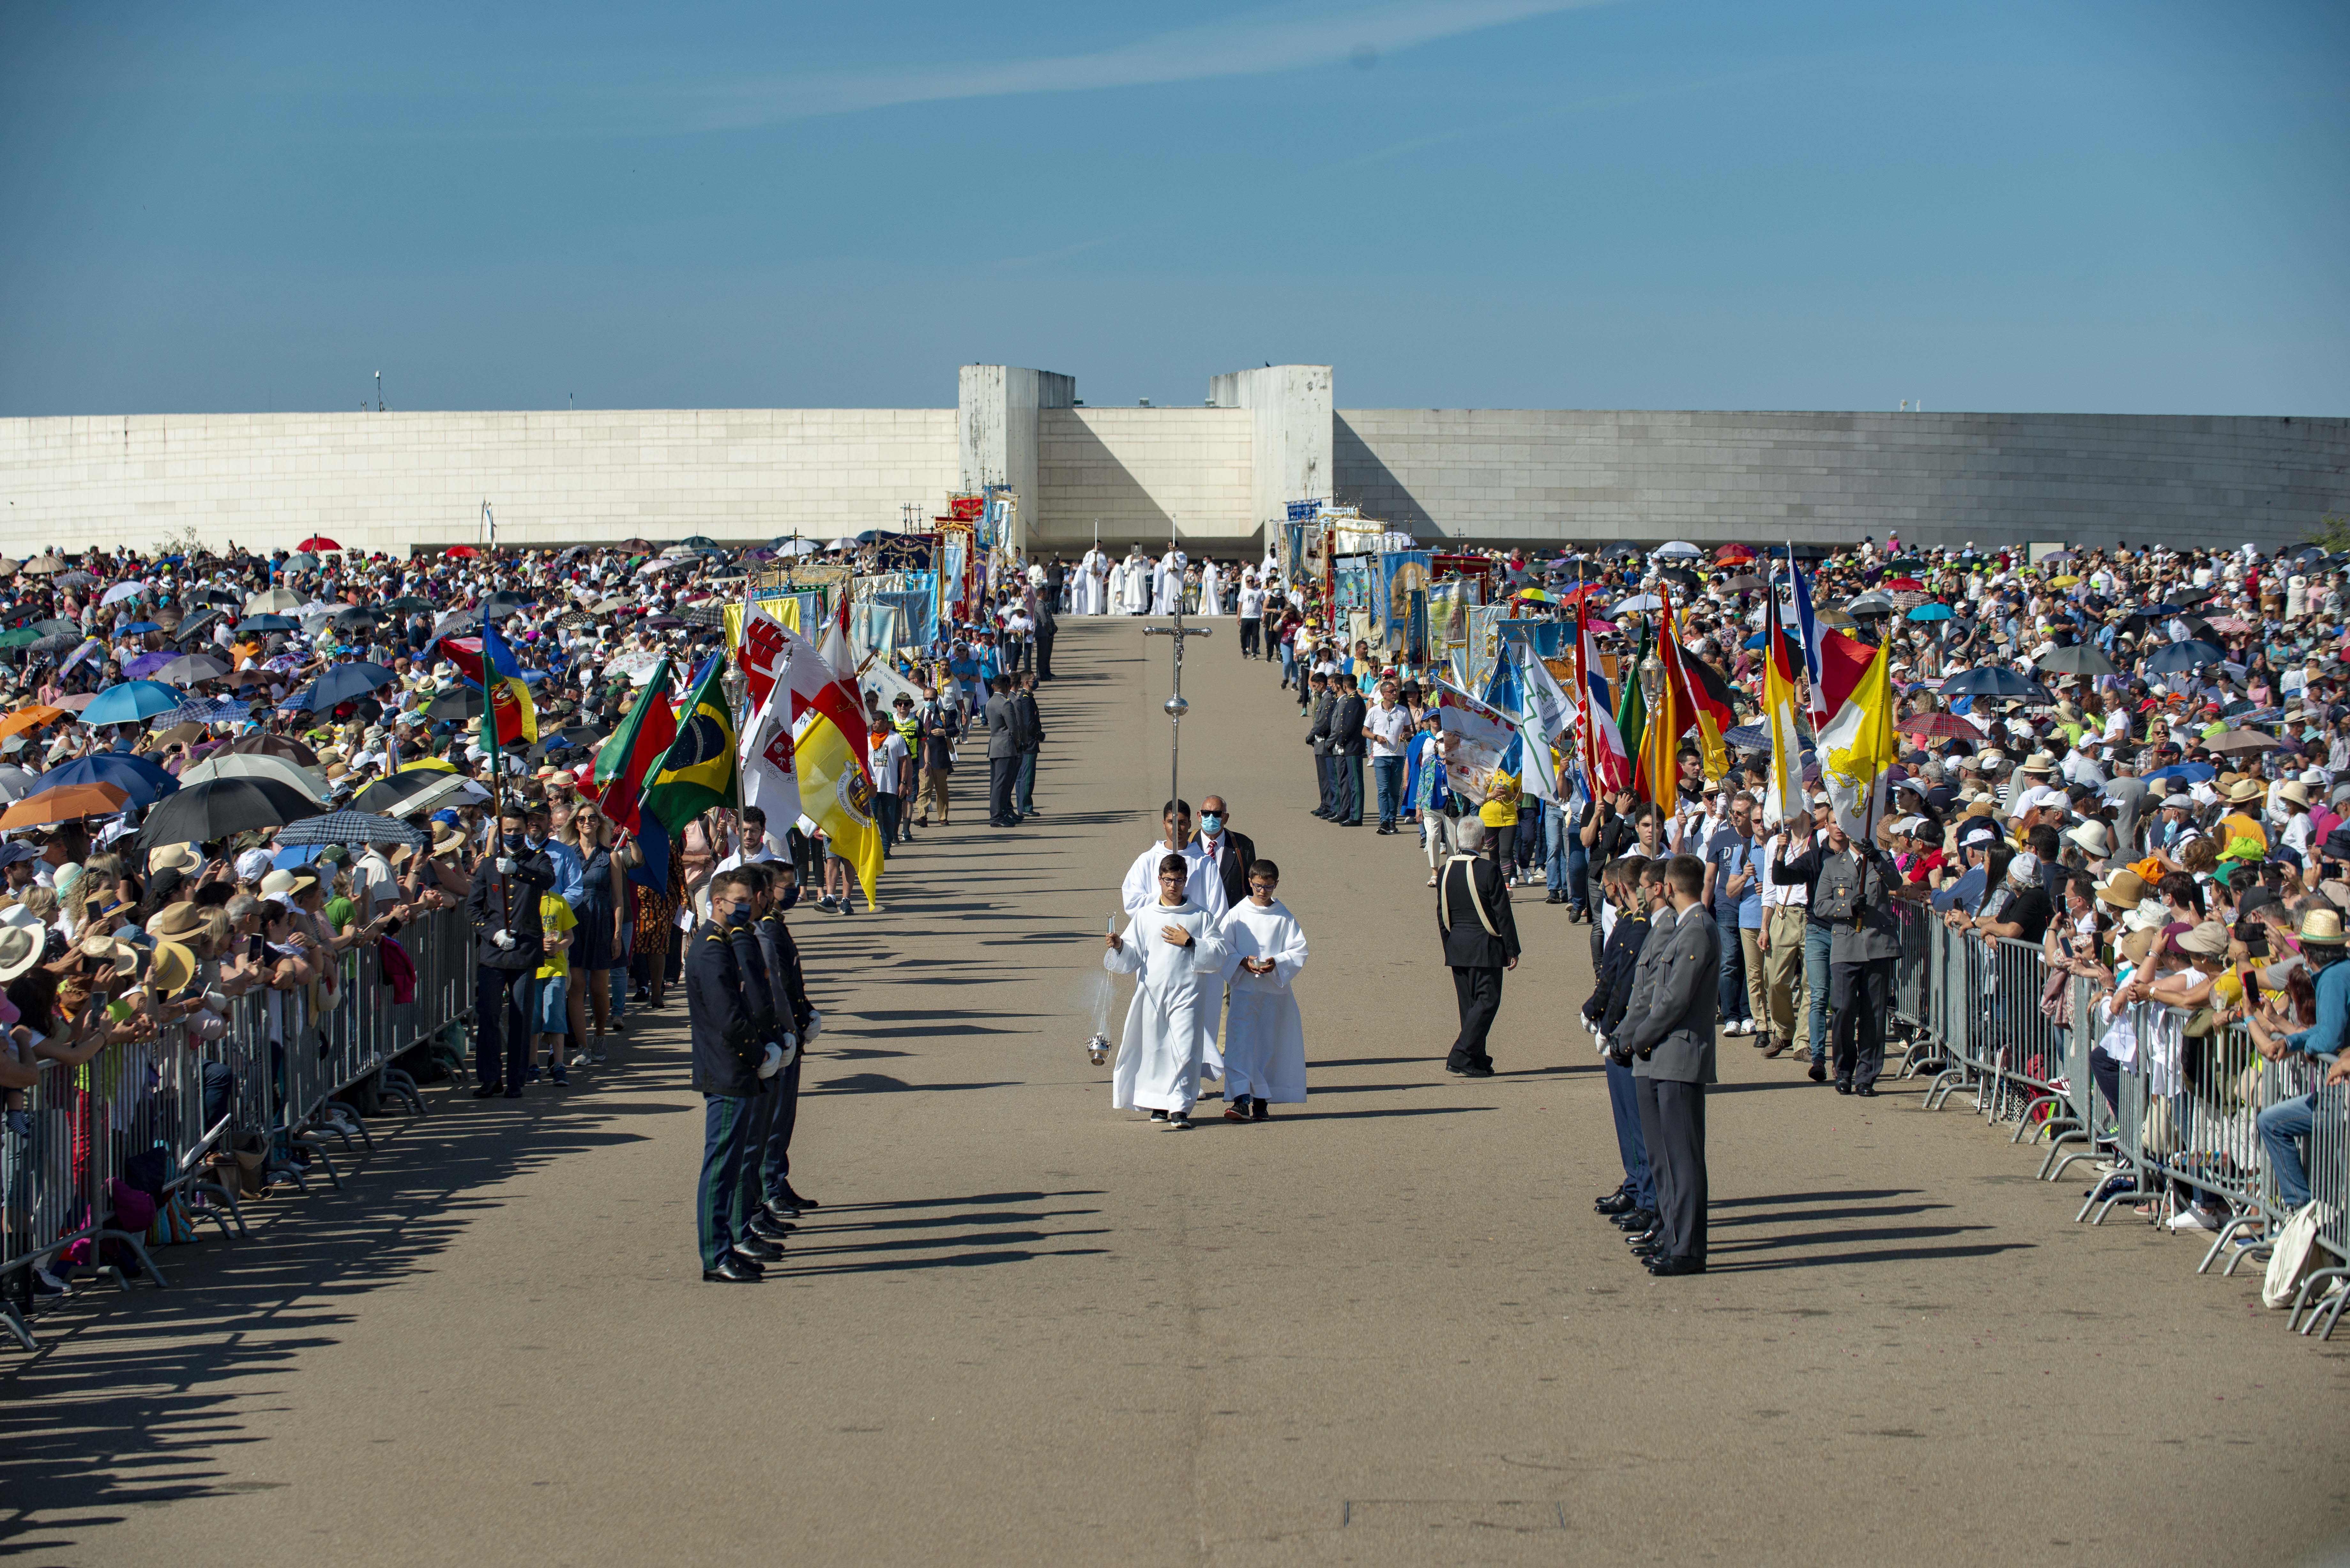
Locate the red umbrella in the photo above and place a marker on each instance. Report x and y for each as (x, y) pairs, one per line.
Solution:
(318, 542)
(1733, 553)
(1941, 727)
(1902, 585)
(463, 552)
(1586, 591)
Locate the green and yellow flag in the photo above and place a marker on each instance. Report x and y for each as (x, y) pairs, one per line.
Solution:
(699, 770)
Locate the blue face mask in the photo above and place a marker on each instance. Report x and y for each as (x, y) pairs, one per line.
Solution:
(1211, 824)
(791, 896)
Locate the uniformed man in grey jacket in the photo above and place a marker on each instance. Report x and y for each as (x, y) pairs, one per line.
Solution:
(1671, 1041)
(1855, 898)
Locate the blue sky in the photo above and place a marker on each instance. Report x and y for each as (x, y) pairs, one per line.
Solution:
(2114, 205)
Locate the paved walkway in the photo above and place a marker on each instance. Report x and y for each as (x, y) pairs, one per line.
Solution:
(1384, 1328)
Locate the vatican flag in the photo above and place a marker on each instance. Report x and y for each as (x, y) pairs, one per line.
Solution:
(1858, 746)
(837, 797)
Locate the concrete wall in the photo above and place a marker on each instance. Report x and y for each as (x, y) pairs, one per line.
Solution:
(996, 409)
(1291, 430)
(389, 481)
(1939, 479)
(1136, 470)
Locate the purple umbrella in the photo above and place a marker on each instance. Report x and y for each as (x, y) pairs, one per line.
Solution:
(146, 664)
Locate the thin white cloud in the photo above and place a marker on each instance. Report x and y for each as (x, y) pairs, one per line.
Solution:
(1294, 36)
(1560, 110)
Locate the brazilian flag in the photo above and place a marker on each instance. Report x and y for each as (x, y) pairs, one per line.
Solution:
(698, 771)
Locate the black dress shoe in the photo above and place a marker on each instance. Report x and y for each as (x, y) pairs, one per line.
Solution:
(1866, 1091)
(1842, 1088)
(1622, 1201)
(1663, 1267)
(795, 1197)
(748, 1264)
(766, 1229)
(487, 1090)
(1454, 1069)
(1819, 1072)
(1636, 1221)
(729, 1271)
(1476, 1070)
(757, 1251)
(1648, 1238)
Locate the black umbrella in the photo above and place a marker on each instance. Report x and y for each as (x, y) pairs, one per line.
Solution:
(219, 807)
(353, 614)
(343, 683)
(54, 627)
(195, 625)
(408, 603)
(1680, 574)
(2178, 656)
(700, 542)
(573, 738)
(387, 795)
(2080, 659)
(268, 623)
(354, 828)
(1623, 550)
(1996, 681)
(456, 702)
(57, 642)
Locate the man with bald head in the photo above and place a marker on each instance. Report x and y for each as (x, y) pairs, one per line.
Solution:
(1231, 853)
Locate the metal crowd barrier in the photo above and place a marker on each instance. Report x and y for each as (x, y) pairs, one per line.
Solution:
(265, 1091)
(2181, 1119)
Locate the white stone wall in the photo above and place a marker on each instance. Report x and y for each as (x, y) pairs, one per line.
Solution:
(393, 479)
(1937, 479)
(1136, 468)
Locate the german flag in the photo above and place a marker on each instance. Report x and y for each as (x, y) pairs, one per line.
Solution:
(1709, 703)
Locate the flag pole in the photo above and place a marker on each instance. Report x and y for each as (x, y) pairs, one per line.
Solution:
(497, 766)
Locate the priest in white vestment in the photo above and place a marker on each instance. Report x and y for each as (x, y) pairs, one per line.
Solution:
(1134, 592)
(1265, 1036)
(1212, 589)
(1090, 572)
(1173, 949)
(1170, 597)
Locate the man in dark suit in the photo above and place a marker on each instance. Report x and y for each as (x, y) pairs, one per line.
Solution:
(728, 1014)
(1047, 628)
(1668, 1030)
(503, 908)
(1322, 703)
(1055, 575)
(1233, 853)
(1480, 940)
(1346, 720)
(1634, 893)
(1003, 753)
(1032, 741)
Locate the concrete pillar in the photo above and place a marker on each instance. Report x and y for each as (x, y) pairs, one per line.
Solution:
(1290, 430)
(996, 431)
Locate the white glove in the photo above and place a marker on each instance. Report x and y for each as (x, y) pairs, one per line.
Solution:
(508, 865)
(773, 1062)
(1599, 1040)
(504, 940)
(814, 1027)
(791, 1049)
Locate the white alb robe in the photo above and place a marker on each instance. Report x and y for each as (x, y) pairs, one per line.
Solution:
(1265, 1036)
(1089, 582)
(1212, 589)
(1159, 1058)
(1171, 583)
(1203, 887)
(1134, 590)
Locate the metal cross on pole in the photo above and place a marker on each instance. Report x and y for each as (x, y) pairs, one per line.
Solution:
(1175, 705)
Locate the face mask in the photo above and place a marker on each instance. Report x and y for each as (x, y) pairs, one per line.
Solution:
(791, 896)
(1211, 824)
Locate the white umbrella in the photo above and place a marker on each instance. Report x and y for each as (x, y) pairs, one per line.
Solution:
(842, 544)
(1679, 549)
(272, 601)
(16, 783)
(1636, 604)
(120, 591)
(800, 547)
(256, 765)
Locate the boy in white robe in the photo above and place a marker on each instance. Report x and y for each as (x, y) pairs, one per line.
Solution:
(1174, 948)
(1264, 1037)
(1204, 887)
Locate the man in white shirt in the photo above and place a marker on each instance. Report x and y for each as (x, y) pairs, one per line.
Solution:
(1786, 913)
(1387, 725)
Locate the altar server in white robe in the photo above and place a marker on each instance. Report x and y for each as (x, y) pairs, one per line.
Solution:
(1173, 948)
(1264, 1037)
(1134, 590)
(1169, 597)
(1212, 589)
(1091, 572)
(1203, 885)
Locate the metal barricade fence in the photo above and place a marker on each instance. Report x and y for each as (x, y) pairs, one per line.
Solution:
(2182, 1116)
(272, 1077)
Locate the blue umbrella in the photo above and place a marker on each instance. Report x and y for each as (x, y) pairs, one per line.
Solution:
(2178, 656)
(137, 627)
(269, 623)
(137, 777)
(131, 702)
(224, 710)
(2182, 772)
(1930, 612)
(341, 684)
(1756, 641)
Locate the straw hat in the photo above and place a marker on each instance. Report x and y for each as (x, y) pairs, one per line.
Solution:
(2138, 946)
(2323, 926)
(2296, 792)
(2244, 791)
(20, 949)
(174, 920)
(2209, 939)
(181, 858)
(2125, 890)
(175, 966)
(2039, 762)
(111, 949)
(447, 838)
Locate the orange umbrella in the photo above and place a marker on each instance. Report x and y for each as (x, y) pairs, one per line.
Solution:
(28, 717)
(64, 804)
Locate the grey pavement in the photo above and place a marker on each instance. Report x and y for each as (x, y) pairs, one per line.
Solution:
(1383, 1327)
